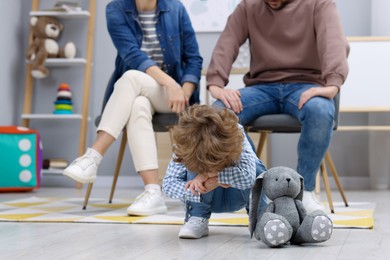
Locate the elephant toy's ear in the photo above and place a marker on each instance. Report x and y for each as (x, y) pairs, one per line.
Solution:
(300, 194)
(254, 203)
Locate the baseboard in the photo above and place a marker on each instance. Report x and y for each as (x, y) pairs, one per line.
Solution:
(348, 183)
(123, 182)
(101, 181)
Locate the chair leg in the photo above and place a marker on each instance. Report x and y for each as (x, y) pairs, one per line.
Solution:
(262, 142)
(327, 186)
(318, 183)
(87, 194)
(170, 130)
(329, 161)
(118, 164)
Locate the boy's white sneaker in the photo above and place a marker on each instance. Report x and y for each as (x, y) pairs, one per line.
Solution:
(195, 227)
(148, 203)
(310, 202)
(84, 168)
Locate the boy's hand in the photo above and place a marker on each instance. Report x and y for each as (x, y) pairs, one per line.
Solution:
(202, 184)
(212, 183)
(196, 185)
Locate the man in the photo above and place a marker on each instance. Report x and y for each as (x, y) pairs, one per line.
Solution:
(298, 64)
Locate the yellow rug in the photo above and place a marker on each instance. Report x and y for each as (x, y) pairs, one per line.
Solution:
(35, 209)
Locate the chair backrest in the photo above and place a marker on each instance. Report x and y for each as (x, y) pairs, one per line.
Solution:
(283, 123)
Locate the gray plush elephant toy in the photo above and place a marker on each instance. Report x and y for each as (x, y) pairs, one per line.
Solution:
(285, 218)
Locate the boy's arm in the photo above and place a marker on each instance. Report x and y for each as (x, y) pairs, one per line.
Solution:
(174, 183)
(243, 174)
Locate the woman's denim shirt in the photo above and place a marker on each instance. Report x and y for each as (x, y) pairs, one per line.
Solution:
(182, 60)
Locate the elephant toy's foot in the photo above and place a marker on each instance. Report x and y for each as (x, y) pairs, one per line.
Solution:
(321, 229)
(314, 229)
(276, 233)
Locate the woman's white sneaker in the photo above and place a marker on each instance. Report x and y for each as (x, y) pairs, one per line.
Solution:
(84, 168)
(148, 203)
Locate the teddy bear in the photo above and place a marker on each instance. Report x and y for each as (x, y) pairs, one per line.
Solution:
(285, 219)
(45, 33)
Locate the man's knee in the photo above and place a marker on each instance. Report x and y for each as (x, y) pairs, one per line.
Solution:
(218, 103)
(320, 108)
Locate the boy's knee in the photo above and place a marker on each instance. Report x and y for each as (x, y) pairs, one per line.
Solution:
(260, 168)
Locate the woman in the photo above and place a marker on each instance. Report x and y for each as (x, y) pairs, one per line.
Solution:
(157, 69)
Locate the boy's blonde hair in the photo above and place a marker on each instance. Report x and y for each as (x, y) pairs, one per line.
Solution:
(207, 139)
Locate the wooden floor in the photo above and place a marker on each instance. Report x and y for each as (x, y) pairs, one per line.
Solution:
(135, 241)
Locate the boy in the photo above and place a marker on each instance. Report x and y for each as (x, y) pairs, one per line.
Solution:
(213, 168)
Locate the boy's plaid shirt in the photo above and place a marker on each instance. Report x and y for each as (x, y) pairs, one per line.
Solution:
(241, 176)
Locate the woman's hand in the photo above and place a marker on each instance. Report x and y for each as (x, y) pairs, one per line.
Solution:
(177, 100)
(188, 88)
(231, 98)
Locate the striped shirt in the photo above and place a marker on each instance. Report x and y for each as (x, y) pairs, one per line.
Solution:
(150, 41)
(242, 175)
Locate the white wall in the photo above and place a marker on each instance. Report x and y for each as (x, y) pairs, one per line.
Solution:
(11, 66)
(356, 19)
(380, 11)
(379, 142)
(355, 16)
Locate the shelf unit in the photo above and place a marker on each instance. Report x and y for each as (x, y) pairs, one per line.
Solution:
(75, 14)
(51, 116)
(52, 171)
(62, 62)
(86, 61)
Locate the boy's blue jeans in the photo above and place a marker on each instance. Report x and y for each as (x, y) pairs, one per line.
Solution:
(222, 199)
(316, 118)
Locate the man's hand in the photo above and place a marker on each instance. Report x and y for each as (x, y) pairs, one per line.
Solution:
(327, 92)
(231, 98)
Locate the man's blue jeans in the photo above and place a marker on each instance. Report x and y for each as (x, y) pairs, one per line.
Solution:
(222, 199)
(316, 118)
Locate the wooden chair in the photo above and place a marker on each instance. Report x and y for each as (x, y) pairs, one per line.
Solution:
(283, 123)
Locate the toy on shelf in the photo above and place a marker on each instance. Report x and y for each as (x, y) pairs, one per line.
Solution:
(45, 33)
(55, 163)
(65, 6)
(63, 105)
